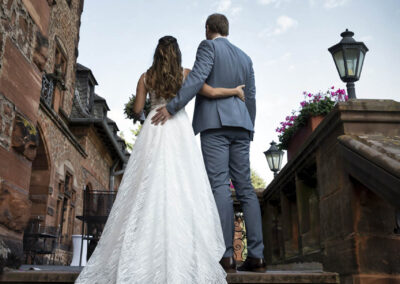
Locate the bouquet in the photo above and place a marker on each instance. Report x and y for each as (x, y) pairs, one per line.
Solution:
(130, 114)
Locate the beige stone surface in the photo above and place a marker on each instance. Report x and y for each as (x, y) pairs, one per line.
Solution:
(14, 207)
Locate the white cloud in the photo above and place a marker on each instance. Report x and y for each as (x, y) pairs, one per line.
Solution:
(236, 10)
(329, 4)
(286, 56)
(226, 6)
(276, 3)
(283, 24)
(334, 3)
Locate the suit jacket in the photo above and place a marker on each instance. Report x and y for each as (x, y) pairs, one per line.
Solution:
(219, 63)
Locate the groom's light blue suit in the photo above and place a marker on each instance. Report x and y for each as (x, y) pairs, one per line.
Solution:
(226, 126)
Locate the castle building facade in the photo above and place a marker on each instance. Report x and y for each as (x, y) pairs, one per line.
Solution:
(55, 137)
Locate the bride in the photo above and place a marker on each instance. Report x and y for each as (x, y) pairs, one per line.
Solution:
(164, 225)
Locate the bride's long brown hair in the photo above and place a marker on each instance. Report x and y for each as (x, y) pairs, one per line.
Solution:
(165, 76)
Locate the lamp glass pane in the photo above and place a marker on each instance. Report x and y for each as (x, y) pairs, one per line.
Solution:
(339, 61)
(361, 64)
(351, 60)
(269, 160)
(276, 158)
(281, 154)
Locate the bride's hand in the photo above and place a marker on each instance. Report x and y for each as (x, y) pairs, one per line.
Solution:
(240, 92)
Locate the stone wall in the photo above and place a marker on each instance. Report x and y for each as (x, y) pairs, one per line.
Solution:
(64, 32)
(45, 160)
(7, 114)
(99, 160)
(323, 208)
(30, 30)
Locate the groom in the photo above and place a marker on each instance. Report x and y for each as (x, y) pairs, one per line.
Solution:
(226, 127)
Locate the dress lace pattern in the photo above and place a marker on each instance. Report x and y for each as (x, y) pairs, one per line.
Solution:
(164, 225)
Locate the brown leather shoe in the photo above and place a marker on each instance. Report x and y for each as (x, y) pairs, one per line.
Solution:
(228, 264)
(253, 265)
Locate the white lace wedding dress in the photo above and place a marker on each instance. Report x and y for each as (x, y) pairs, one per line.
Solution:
(164, 225)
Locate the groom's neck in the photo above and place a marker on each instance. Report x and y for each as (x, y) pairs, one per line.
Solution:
(214, 35)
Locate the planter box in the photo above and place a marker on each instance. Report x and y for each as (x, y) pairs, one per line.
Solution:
(302, 134)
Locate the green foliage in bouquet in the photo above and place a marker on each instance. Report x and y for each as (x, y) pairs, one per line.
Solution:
(128, 110)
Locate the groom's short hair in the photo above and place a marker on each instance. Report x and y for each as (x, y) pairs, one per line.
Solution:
(218, 23)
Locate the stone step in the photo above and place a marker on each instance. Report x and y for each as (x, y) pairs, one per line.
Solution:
(283, 277)
(69, 275)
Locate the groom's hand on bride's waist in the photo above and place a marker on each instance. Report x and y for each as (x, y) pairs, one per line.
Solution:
(161, 116)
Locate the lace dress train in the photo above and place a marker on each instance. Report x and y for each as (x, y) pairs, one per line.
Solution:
(164, 226)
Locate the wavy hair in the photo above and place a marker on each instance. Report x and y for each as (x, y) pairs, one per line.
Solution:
(165, 76)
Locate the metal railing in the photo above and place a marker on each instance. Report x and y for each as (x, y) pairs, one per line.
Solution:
(97, 206)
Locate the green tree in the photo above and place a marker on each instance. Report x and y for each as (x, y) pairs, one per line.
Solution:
(128, 144)
(135, 132)
(256, 180)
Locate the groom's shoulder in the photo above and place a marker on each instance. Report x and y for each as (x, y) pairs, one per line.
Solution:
(207, 43)
(242, 53)
(206, 46)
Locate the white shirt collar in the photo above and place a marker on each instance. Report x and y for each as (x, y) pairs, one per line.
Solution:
(219, 37)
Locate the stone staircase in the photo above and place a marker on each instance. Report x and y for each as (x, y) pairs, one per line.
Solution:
(68, 274)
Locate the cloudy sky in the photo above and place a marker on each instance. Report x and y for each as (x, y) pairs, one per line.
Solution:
(287, 40)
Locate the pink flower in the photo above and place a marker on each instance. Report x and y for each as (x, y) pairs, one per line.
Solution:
(303, 103)
(309, 95)
(332, 87)
(346, 97)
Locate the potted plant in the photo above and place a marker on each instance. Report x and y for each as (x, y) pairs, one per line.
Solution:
(302, 122)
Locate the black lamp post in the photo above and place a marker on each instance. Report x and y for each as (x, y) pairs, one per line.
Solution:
(274, 158)
(349, 56)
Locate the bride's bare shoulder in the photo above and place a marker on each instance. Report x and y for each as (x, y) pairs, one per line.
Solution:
(142, 79)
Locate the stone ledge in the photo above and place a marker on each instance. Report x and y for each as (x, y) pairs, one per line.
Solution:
(38, 277)
(283, 277)
(34, 276)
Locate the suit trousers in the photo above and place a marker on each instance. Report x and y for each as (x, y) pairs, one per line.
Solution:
(226, 156)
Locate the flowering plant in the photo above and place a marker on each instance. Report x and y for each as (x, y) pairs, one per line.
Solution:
(312, 105)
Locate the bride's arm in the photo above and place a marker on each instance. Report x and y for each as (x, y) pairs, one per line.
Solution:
(215, 93)
(141, 93)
